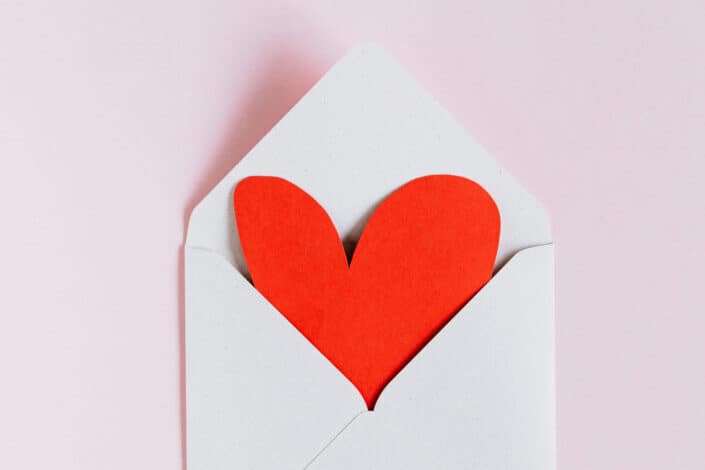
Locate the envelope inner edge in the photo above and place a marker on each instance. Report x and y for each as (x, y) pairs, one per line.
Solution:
(411, 362)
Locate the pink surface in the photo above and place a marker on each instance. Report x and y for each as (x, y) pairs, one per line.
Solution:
(116, 118)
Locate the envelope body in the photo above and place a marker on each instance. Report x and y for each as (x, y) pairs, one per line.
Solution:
(480, 395)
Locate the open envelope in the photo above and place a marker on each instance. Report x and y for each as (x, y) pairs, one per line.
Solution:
(479, 395)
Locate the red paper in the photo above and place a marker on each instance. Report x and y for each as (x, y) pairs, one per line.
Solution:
(426, 250)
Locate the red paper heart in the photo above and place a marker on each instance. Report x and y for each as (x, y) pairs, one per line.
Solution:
(426, 250)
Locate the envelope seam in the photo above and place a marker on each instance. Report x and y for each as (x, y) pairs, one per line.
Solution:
(330, 442)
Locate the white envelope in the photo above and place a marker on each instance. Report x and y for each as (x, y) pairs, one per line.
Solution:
(479, 396)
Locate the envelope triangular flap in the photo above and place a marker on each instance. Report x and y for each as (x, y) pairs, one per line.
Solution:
(479, 396)
(366, 128)
(258, 394)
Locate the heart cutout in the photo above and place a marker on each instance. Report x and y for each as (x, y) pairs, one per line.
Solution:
(426, 250)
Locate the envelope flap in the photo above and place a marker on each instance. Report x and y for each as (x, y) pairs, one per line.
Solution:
(362, 131)
(479, 396)
(258, 395)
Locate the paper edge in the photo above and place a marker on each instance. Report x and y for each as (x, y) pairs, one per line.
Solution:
(545, 250)
(360, 48)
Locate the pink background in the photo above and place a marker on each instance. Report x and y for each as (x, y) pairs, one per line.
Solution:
(116, 118)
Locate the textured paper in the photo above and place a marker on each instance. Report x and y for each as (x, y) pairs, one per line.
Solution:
(426, 250)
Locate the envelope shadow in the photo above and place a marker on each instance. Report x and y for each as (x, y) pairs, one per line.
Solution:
(285, 77)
